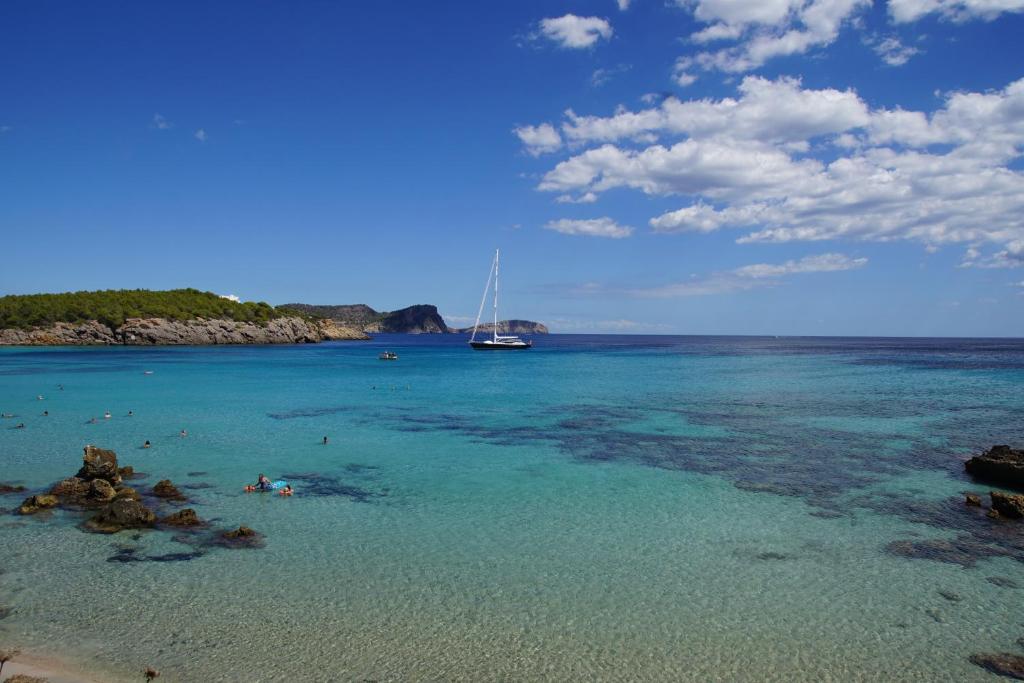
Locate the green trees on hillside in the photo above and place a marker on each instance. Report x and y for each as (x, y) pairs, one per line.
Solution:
(112, 307)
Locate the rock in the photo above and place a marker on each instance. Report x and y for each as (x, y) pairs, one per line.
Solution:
(1002, 581)
(973, 499)
(60, 334)
(100, 491)
(127, 493)
(10, 488)
(34, 504)
(186, 517)
(98, 463)
(71, 489)
(121, 514)
(1002, 663)
(242, 537)
(1008, 505)
(992, 514)
(25, 678)
(1000, 464)
(126, 472)
(165, 489)
(950, 595)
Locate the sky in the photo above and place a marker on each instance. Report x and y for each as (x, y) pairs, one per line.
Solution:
(789, 167)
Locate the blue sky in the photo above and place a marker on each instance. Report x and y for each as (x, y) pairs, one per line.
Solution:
(652, 166)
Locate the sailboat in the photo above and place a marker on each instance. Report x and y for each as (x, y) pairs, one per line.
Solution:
(496, 342)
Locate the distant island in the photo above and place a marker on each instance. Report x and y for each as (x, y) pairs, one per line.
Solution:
(419, 319)
(192, 317)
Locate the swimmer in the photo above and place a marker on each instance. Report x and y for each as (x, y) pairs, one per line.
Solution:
(5, 415)
(20, 425)
(46, 413)
(286, 491)
(92, 420)
(262, 484)
(325, 440)
(61, 387)
(183, 433)
(39, 397)
(130, 413)
(147, 444)
(106, 415)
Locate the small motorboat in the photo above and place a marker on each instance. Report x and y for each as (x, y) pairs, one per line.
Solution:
(388, 355)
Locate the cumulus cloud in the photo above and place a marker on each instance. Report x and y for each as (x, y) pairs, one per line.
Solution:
(623, 5)
(200, 135)
(161, 123)
(744, 278)
(593, 227)
(903, 11)
(891, 50)
(573, 32)
(765, 29)
(539, 139)
(943, 177)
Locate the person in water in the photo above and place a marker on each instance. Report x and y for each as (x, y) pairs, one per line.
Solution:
(325, 440)
(46, 413)
(287, 490)
(263, 483)
(20, 425)
(106, 415)
(147, 444)
(130, 413)
(183, 433)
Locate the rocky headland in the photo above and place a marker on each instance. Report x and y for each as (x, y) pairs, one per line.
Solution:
(508, 327)
(161, 331)
(418, 319)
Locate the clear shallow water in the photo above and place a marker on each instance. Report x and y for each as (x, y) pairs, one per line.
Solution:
(598, 508)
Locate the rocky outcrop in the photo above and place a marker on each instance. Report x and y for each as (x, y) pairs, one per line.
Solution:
(34, 504)
(199, 332)
(183, 518)
(420, 319)
(1007, 505)
(242, 537)
(121, 514)
(10, 488)
(1000, 465)
(508, 327)
(168, 491)
(99, 463)
(90, 333)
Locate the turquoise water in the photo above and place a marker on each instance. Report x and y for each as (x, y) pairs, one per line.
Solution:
(598, 508)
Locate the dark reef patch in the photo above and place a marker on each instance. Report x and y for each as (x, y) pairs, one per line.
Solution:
(307, 412)
(316, 484)
(1002, 582)
(196, 474)
(125, 555)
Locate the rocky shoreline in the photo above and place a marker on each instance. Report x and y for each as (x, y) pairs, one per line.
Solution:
(199, 332)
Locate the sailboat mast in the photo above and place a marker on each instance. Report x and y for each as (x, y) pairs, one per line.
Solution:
(496, 294)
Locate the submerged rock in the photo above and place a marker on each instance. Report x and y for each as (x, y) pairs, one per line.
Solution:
(973, 499)
(98, 463)
(128, 493)
(242, 537)
(1008, 505)
(999, 464)
(121, 514)
(186, 517)
(1002, 663)
(10, 488)
(165, 489)
(34, 504)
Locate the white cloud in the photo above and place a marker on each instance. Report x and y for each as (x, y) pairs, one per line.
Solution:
(573, 32)
(779, 111)
(231, 297)
(602, 76)
(200, 135)
(904, 11)
(539, 139)
(161, 123)
(623, 4)
(586, 198)
(891, 50)
(766, 29)
(594, 227)
(937, 178)
(744, 278)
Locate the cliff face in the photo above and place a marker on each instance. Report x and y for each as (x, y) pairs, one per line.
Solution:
(421, 319)
(159, 331)
(509, 327)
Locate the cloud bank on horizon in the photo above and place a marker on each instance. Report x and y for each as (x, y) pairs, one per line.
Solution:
(780, 162)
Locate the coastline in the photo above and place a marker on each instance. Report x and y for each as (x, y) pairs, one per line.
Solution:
(53, 669)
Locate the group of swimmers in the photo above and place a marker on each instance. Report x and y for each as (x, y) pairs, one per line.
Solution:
(264, 484)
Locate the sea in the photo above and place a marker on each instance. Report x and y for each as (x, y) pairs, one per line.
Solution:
(598, 508)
